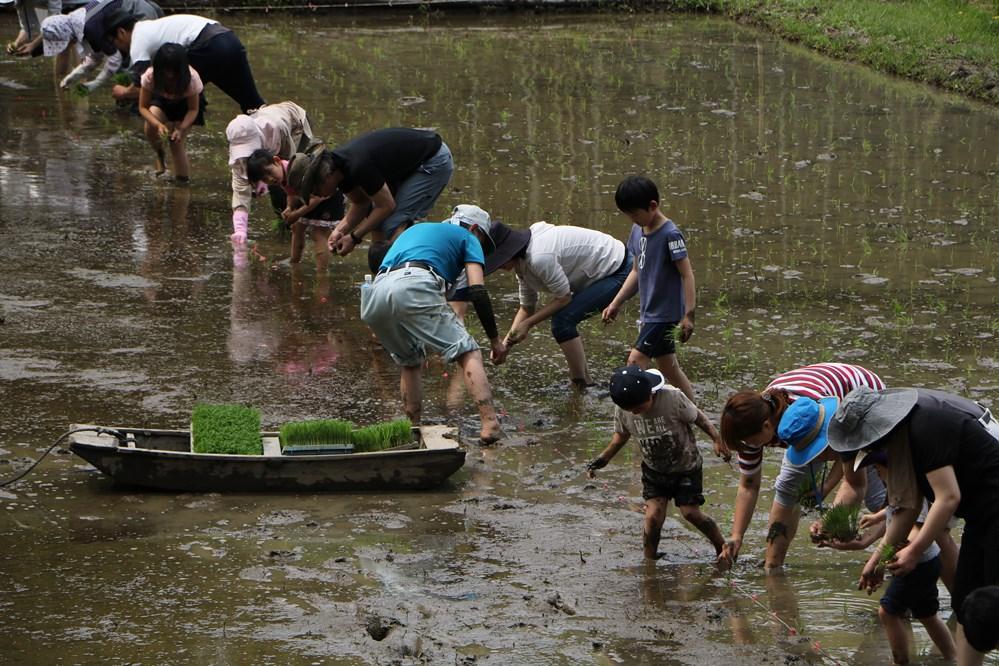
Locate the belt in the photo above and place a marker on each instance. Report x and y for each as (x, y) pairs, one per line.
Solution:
(410, 264)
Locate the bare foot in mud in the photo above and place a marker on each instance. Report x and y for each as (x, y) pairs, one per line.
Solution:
(159, 166)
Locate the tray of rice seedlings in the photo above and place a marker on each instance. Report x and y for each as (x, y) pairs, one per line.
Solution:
(387, 435)
(841, 522)
(321, 436)
(232, 429)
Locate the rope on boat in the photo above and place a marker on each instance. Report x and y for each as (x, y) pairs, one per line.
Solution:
(97, 429)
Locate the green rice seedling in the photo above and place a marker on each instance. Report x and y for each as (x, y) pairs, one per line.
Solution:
(887, 553)
(318, 433)
(232, 429)
(80, 91)
(840, 522)
(806, 496)
(121, 79)
(382, 435)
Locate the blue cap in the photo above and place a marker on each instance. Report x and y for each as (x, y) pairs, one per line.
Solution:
(805, 428)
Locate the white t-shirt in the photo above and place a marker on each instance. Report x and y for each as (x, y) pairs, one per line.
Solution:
(564, 260)
(149, 36)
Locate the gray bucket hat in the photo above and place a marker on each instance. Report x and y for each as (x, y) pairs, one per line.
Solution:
(865, 416)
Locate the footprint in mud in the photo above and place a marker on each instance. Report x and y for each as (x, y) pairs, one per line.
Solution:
(283, 517)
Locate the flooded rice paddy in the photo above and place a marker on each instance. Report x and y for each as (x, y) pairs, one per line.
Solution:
(831, 214)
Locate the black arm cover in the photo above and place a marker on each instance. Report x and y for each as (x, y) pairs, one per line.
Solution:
(479, 297)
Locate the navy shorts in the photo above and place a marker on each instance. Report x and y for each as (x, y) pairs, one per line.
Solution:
(684, 489)
(915, 592)
(655, 340)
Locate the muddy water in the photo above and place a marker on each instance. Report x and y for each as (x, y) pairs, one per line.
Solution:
(831, 215)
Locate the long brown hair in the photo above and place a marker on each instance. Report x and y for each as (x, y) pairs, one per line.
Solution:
(745, 412)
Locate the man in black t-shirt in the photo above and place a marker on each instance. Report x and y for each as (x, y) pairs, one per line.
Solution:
(392, 178)
(949, 445)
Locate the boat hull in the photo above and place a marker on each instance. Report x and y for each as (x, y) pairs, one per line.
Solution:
(154, 461)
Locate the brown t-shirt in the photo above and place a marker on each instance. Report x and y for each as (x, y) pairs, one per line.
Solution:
(664, 433)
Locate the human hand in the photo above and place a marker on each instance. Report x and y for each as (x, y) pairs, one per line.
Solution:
(815, 532)
(119, 91)
(724, 560)
(871, 577)
(835, 544)
(610, 313)
(869, 520)
(730, 550)
(24, 50)
(176, 135)
(904, 562)
(346, 245)
(594, 465)
(516, 334)
(334, 240)
(498, 352)
(686, 328)
(10, 48)
(721, 450)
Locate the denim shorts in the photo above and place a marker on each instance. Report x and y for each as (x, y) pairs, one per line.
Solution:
(915, 592)
(407, 311)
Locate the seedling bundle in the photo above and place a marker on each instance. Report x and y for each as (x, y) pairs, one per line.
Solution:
(841, 522)
(232, 429)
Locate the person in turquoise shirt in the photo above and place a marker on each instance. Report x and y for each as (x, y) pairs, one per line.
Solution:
(405, 306)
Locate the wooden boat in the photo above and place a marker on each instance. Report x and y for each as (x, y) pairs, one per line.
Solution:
(163, 459)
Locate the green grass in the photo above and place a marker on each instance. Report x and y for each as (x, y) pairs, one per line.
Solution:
(382, 435)
(840, 522)
(316, 433)
(953, 44)
(233, 429)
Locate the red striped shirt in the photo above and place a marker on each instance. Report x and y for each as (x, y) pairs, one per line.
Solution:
(821, 380)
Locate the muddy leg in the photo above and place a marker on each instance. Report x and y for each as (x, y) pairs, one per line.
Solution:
(474, 374)
(704, 524)
(575, 357)
(783, 526)
(655, 515)
(411, 386)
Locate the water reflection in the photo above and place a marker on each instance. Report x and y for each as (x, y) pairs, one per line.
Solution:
(830, 214)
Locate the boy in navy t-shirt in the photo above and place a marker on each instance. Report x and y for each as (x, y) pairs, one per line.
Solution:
(662, 276)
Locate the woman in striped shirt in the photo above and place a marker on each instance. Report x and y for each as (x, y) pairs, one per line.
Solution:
(749, 424)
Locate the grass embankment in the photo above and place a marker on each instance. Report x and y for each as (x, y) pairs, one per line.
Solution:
(953, 44)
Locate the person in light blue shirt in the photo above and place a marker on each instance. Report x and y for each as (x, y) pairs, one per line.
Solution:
(406, 307)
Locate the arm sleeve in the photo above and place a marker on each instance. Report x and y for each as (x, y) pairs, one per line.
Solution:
(686, 410)
(242, 193)
(750, 461)
(619, 426)
(677, 246)
(479, 297)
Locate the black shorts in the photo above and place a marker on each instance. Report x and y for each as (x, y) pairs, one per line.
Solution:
(685, 489)
(915, 592)
(657, 339)
(176, 109)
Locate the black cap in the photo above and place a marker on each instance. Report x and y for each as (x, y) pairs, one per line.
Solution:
(509, 243)
(116, 19)
(631, 386)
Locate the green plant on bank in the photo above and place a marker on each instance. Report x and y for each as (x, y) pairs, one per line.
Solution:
(231, 429)
(382, 435)
(318, 433)
(841, 522)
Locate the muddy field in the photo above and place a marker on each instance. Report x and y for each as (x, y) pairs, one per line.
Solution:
(831, 214)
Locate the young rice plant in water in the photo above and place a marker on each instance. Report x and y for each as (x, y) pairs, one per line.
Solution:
(232, 429)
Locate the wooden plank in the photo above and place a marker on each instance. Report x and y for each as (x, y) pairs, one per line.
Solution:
(434, 437)
(272, 446)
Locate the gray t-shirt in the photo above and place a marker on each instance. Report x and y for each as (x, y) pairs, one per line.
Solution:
(660, 287)
(664, 432)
